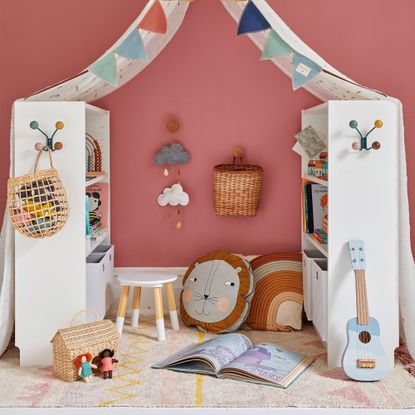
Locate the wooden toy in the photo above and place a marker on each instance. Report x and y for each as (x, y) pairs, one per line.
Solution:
(363, 358)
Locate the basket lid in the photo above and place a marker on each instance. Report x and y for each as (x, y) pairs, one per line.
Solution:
(85, 335)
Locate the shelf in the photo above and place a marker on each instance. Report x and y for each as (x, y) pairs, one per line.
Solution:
(313, 241)
(94, 180)
(93, 243)
(316, 180)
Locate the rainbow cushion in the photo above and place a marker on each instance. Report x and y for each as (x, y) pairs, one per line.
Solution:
(277, 303)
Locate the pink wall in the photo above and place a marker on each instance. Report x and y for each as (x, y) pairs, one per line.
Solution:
(215, 85)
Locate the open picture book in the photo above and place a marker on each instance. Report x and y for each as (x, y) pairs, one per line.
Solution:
(232, 356)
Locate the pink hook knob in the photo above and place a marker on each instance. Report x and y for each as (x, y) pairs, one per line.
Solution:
(356, 146)
(39, 146)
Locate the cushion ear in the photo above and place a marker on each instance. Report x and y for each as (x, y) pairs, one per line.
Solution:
(238, 270)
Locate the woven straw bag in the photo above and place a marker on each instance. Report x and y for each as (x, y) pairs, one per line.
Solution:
(37, 202)
(237, 187)
(73, 341)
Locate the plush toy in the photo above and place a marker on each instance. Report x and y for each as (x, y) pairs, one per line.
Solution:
(217, 291)
(107, 363)
(40, 210)
(83, 363)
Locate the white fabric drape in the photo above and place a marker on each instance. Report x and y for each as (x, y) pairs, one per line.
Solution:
(328, 84)
(332, 84)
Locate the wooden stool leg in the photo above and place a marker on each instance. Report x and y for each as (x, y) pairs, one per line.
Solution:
(136, 307)
(122, 307)
(172, 306)
(158, 301)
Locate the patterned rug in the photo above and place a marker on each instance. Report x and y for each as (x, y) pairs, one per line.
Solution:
(136, 384)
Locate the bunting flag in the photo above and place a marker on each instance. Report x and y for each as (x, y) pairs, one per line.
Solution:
(155, 20)
(132, 47)
(106, 68)
(304, 70)
(252, 20)
(275, 46)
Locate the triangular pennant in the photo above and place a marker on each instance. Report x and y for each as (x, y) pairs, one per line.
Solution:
(252, 20)
(106, 68)
(304, 70)
(275, 46)
(132, 47)
(155, 20)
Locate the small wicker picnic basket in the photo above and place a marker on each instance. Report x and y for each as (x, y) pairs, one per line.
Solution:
(73, 341)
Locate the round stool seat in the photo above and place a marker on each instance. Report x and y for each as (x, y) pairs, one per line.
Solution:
(147, 279)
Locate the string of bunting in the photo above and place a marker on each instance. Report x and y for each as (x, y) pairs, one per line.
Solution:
(251, 21)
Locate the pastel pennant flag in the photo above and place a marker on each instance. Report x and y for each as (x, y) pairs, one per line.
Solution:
(252, 20)
(304, 70)
(106, 68)
(275, 46)
(155, 20)
(132, 47)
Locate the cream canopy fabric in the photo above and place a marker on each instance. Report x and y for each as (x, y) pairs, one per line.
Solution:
(329, 84)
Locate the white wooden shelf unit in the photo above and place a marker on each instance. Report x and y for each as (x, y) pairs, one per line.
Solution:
(362, 204)
(54, 279)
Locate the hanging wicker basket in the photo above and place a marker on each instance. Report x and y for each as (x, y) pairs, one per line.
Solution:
(237, 187)
(37, 202)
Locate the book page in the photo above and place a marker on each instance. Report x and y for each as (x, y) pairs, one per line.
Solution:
(218, 351)
(268, 362)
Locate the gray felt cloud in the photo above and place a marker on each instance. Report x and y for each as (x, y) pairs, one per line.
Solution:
(174, 154)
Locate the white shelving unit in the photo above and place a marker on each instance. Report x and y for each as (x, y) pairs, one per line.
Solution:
(54, 279)
(362, 204)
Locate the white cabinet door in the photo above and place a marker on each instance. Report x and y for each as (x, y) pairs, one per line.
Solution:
(308, 256)
(319, 282)
(99, 279)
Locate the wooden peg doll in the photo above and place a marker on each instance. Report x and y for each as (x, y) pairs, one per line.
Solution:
(107, 363)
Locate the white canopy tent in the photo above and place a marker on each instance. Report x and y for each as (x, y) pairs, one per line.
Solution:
(328, 84)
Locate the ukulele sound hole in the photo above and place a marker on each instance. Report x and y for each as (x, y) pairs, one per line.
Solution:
(364, 337)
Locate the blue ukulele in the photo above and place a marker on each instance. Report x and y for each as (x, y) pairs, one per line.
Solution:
(363, 358)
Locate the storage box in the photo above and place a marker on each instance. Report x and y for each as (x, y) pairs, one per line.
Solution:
(99, 279)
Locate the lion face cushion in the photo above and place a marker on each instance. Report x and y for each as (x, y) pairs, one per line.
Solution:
(217, 290)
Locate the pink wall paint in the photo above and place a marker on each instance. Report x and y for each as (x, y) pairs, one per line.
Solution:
(215, 85)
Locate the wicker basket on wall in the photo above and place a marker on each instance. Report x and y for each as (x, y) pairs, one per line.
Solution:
(237, 187)
(76, 340)
(37, 202)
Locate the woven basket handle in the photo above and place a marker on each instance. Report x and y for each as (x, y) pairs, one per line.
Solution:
(84, 310)
(238, 156)
(38, 158)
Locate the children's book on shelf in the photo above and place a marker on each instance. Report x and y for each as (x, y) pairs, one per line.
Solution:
(315, 209)
(98, 207)
(232, 356)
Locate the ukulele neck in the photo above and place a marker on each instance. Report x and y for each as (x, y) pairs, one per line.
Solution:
(361, 298)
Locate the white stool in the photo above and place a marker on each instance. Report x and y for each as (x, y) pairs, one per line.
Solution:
(154, 280)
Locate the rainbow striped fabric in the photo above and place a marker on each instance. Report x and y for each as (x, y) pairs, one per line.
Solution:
(278, 299)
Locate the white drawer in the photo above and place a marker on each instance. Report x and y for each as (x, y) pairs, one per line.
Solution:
(319, 282)
(99, 279)
(308, 256)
